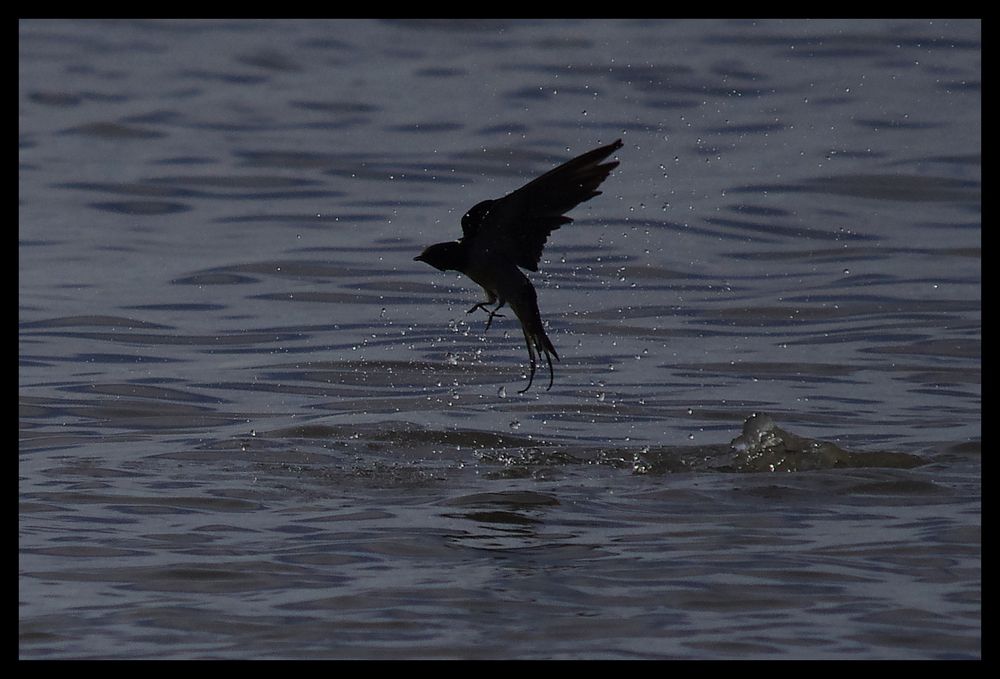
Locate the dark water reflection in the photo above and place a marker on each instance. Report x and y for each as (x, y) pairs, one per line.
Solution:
(250, 426)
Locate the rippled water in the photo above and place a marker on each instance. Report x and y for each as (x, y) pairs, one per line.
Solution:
(250, 426)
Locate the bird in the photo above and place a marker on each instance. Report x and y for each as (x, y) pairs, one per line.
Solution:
(504, 235)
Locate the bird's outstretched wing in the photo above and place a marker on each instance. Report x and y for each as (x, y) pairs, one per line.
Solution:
(518, 224)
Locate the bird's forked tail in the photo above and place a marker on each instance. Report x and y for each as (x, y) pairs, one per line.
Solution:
(537, 341)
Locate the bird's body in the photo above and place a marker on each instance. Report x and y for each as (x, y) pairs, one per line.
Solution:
(504, 235)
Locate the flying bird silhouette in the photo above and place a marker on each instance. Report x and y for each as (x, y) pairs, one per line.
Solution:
(498, 236)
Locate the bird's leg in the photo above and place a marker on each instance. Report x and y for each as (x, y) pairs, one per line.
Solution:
(490, 299)
(493, 313)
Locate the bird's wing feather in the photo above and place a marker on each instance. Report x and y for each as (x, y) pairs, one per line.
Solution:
(519, 223)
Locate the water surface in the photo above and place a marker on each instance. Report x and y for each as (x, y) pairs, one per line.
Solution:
(251, 426)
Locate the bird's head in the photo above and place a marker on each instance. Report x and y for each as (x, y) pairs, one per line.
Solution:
(443, 256)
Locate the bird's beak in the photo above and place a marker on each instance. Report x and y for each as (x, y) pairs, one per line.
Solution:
(418, 258)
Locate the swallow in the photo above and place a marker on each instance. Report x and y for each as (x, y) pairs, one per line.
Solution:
(502, 236)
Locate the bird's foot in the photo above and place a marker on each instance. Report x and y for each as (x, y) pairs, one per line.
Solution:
(492, 312)
(489, 320)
